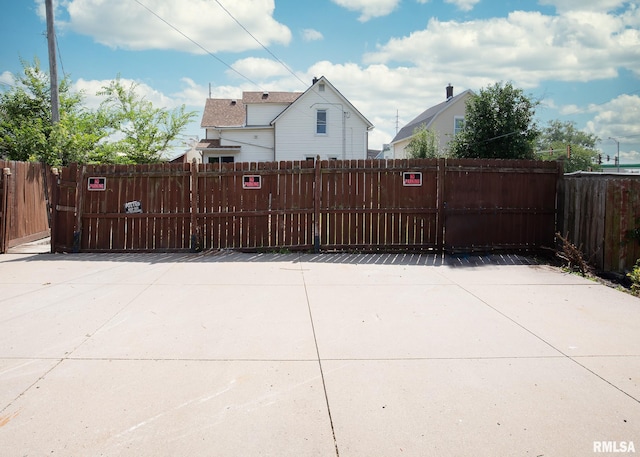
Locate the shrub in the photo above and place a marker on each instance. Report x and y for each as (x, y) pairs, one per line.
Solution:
(634, 276)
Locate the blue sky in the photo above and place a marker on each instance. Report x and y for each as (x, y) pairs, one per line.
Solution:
(391, 58)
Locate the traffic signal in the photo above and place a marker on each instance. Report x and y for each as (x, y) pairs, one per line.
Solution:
(568, 151)
(599, 159)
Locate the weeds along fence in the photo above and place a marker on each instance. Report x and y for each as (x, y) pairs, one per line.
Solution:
(602, 217)
(368, 205)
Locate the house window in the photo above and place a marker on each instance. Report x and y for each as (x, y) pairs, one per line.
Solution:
(321, 87)
(458, 124)
(321, 122)
(221, 159)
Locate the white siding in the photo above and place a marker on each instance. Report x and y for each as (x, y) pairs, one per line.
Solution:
(443, 125)
(296, 136)
(212, 134)
(263, 113)
(256, 144)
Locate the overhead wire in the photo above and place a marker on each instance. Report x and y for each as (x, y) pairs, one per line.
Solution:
(284, 65)
(196, 43)
(55, 36)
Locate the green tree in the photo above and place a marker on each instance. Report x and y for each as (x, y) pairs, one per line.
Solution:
(558, 135)
(125, 129)
(424, 144)
(26, 130)
(145, 131)
(499, 124)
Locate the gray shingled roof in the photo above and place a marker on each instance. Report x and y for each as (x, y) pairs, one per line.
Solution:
(426, 118)
(223, 113)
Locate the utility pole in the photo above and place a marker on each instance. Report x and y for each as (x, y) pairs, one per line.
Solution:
(53, 67)
(618, 153)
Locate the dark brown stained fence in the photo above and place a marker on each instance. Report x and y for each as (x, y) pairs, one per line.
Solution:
(23, 203)
(602, 217)
(64, 218)
(428, 204)
(365, 205)
(161, 191)
(499, 204)
(5, 176)
(277, 214)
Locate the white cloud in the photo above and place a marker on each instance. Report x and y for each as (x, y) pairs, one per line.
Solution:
(525, 47)
(7, 79)
(463, 5)
(127, 24)
(311, 35)
(369, 9)
(568, 110)
(381, 93)
(258, 68)
(617, 118)
(90, 88)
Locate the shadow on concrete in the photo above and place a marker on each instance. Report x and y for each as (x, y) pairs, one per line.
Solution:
(397, 258)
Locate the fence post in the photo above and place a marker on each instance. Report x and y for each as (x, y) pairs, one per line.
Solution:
(80, 190)
(53, 206)
(316, 206)
(560, 202)
(5, 210)
(440, 205)
(196, 244)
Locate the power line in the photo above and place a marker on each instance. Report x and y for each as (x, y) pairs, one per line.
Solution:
(59, 54)
(286, 67)
(197, 44)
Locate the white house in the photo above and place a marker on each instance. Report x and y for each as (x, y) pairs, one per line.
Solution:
(446, 119)
(274, 126)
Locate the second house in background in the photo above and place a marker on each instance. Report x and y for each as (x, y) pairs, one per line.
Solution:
(275, 126)
(445, 119)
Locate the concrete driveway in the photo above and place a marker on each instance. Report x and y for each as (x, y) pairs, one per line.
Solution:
(232, 354)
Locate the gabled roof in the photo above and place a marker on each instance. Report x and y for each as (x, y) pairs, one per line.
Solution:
(250, 98)
(427, 117)
(223, 113)
(346, 102)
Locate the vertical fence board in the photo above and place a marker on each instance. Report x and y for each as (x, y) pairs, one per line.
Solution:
(359, 205)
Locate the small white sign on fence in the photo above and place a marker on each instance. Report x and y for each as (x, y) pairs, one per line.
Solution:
(134, 207)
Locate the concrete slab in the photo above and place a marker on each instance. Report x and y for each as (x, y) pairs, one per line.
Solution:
(169, 408)
(473, 407)
(233, 354)
(373, 322)
(588, 319)
(210, 322)
(18, 375)
(54, 322)
(490, 273)
(622, 372)
(347, 274)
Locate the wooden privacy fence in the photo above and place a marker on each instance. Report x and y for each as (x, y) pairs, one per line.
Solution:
(427, 204)
(23, 203)
(602, 217)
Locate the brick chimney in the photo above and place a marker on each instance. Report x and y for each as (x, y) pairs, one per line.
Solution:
(449, 91)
